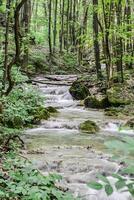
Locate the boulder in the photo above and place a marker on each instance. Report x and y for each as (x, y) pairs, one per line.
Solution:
(79, 91)
(120, 95)
(99, 101)
(89, 127)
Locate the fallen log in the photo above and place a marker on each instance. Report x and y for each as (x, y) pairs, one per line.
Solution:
(51, 83)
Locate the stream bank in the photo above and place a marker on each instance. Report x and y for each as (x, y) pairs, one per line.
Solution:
(58, 146)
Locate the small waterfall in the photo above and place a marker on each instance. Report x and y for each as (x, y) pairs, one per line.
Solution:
(78, 157)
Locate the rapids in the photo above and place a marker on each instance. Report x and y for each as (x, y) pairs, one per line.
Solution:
(58, 146)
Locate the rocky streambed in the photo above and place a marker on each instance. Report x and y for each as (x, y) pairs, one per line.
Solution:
(58, 146)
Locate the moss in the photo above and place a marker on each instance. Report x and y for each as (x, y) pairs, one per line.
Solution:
(79, 91)
(89, 127)
(120, 95)
(96, 102)
(52, 109)
(41, 113)
(111, 112)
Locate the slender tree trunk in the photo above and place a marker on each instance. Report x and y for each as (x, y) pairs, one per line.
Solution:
(67, 26)
(16, 59)
(8, 5)
(106, 16)
(119, 46)
(27, 17)
(49, 28)
(55, 26)
(95, 38)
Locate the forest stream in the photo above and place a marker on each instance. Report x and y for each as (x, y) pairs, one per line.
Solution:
(58, 146)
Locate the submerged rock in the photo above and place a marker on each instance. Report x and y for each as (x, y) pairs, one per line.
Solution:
(99, 101)
(79, 91)
(89, 127)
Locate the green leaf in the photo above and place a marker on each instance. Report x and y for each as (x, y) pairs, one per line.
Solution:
(117, 176)
(108, 189)
(120, 184)
(128, 170)
(131, 191)
(95, 185)
(103, 178)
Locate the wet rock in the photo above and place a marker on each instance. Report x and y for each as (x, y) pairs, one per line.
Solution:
(89, 127)
(120, 95)
(79, 91)
(99, 101)
(51, 109)
(130, 123)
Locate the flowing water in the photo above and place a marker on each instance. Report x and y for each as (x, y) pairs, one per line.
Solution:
(57, 145)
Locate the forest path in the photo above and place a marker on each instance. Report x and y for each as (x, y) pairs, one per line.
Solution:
(58, 146)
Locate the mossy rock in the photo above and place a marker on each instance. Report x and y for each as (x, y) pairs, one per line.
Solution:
(79, 91)
(130, 123)
(111, 112)
(89, 127)
(52, 109)
(98, 102)
(41, 113)
(120, 95)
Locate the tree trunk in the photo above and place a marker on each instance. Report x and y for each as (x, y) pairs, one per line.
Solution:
(55, 26)
(95, 39)
(8, 5)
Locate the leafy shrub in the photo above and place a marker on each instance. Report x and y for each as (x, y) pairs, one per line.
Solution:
(124, 184)
(121, 184)
(70, 60)
(19, 106)
(19, 180)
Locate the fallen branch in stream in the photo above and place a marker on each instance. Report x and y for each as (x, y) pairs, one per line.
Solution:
(50, 83)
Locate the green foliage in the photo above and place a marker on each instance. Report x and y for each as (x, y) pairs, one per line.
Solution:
(19, 180)
(120, 184)
(127, 147)
(95, 185)
(70, 60)
(17, 76)
(19, 106)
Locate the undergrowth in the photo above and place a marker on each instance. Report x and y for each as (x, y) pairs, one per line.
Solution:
(19, 180)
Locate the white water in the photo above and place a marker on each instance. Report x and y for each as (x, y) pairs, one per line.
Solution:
(63, 149)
